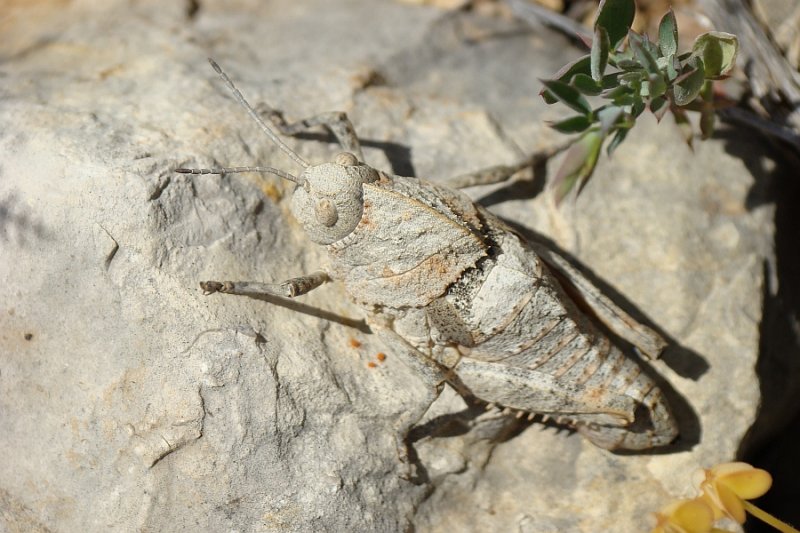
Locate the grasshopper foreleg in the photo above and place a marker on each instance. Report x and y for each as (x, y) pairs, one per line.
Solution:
(288, 289)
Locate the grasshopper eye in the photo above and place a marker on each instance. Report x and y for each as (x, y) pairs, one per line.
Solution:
(326, 213)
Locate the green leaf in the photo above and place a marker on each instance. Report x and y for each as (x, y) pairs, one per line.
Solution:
(638, 107)
(632, 79)
(565, 74)
(615, 57)
(627, 100)
(621, 95)
(673, 67)
(616, 17)
(626, 121)
(642, 53)
(657, 85)
(633, 83)
(629, 65)
(651, 47)
(610, 80)
(586, 85)
(568, 95)
(578, 165)
(576, 124)
(617, 92)
(616, 140)
(579, 66)
(659, 107)
(599, 54)
(691, 81)
(668, 35)
(718, 51)
(608, 117)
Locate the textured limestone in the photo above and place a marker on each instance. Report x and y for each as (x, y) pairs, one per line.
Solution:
(130, 401)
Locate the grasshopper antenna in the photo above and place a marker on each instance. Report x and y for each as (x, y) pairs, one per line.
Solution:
(233, 170)
(266, 129)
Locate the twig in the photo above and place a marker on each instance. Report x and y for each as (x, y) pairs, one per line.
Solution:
(535, 14)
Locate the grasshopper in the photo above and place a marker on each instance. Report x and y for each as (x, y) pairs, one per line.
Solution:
(462, 299)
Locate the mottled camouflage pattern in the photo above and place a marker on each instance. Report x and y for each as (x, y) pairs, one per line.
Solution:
(467, 292)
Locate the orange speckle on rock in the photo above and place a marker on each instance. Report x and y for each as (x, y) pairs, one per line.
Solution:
(371, 364)
(354, 343)
(381, 357)
(270, 190)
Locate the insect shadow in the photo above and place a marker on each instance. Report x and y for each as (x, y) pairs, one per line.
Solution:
(294, 305)
(18, 223)
(399, 155)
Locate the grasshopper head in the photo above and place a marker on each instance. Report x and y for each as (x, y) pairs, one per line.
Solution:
(329, 201)
(329, 198)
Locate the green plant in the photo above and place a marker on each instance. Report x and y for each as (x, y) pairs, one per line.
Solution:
(643, 75)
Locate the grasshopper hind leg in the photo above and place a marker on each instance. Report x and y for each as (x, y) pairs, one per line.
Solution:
(608, 419)
(653, 427)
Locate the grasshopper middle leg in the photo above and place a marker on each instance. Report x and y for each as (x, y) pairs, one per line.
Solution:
(501, 173)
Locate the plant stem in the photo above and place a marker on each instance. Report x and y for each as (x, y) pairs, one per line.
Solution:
(768, 518)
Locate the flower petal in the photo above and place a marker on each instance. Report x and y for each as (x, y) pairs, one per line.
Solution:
(724, 469)
(694, 516)
(731, 503)
(713, 503)
(748, 484)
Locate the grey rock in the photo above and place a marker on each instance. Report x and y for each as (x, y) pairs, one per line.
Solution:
(129, 401)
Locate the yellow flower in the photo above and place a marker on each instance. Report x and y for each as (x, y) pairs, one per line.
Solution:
(726, 485)
(685, 516)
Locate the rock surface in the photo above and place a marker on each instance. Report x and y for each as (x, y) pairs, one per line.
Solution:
(130, 401)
